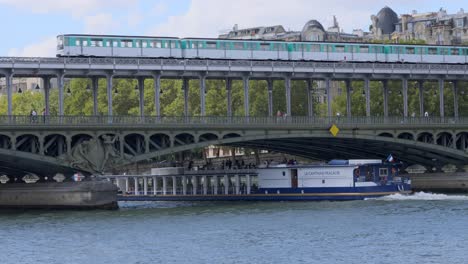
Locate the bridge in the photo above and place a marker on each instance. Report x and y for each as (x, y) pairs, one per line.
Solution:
(93, 144)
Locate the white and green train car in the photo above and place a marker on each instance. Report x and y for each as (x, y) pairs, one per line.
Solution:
(166, 47)
(117, 46)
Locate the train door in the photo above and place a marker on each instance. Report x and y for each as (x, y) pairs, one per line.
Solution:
(294, 180)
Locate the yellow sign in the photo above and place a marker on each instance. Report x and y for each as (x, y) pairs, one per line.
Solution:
(334, 130)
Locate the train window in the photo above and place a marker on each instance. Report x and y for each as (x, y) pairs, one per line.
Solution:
(238, 45)
(108, 43)
(465, 52)
(432, 51)
(315, 48)
(211, 45)
(339, 48)
(66, 41)
(115, 42)
(137, 43)
(144, 44)
(454, 51)
(84, 42)
(444, 51)
(127, 43)
(418, 51)
(410, 50)
(173, 44)
(77, 42)
(157, 44)
(96, 43)
(364, 49)
(264, 46)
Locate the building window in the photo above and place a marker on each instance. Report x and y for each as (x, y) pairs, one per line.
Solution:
(410, 27)
(398, 28)
(383, 172)
(459, 22)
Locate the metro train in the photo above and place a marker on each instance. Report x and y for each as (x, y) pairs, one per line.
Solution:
(70, 45)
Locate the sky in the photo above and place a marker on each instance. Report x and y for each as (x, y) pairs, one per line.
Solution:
(30, 27)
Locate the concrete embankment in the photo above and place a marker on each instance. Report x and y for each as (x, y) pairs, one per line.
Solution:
(440, 182)
(64, 195)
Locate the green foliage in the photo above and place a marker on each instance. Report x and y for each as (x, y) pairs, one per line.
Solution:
(126, 101)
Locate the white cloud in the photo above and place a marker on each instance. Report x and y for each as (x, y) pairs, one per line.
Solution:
(205, 18)
(77, 8)
(45, 48)
(99, 24)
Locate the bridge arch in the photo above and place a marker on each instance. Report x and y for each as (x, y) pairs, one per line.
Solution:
(426, 137)
(462, 141)
(28, 143)
(5, 142)
(184, 139)
(406, 135)
(445, 139)
(55, 145)
(78, 138)
(159, 141)
(231, 135)
(386, 134)
(207, 137)
(134, 144)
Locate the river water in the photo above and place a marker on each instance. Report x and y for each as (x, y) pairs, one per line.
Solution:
(422, 228)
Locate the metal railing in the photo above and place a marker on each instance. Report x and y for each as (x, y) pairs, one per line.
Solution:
(289, 122)
(417, 67)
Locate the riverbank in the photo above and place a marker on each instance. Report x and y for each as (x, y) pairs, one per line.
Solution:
(440, 182)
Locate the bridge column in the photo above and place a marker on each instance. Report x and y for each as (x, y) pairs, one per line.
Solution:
(246, 95)
(109, 79)
(215, 184)
(287, 84)
(184, 185)
(205, 185)
(9, 85)
(194, 184)
(174, 185)
(95, 88)
(349, 88)
(61, 83)
(455, 99)
(270, 97)
(185, 87)
(329, 105)
(135, 180)
(248, 182)
(155, 185)
(157, 93)
(385, 96)
(202, 95)
(164, 187)
(46, 80)
(421, 97)
(367, 91)
(141, 90)
(41, 145)
(145, 185)
(310, 97)
(229, 96)
(237, 184)
(126, 185)
(441, 97)
(405, 96)
(226, 184)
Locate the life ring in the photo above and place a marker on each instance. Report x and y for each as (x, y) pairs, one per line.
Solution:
(357, 172)
(401, 188)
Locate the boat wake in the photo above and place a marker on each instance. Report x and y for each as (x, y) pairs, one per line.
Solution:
(422, 196)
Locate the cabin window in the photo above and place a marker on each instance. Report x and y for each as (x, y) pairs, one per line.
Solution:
(383, 172)
(238, 45)
(264, 46)
(454, 52)
(432, 51)
(211, 45)
(284, 173)
(340, 48)
(127, 43)
(323, 181)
